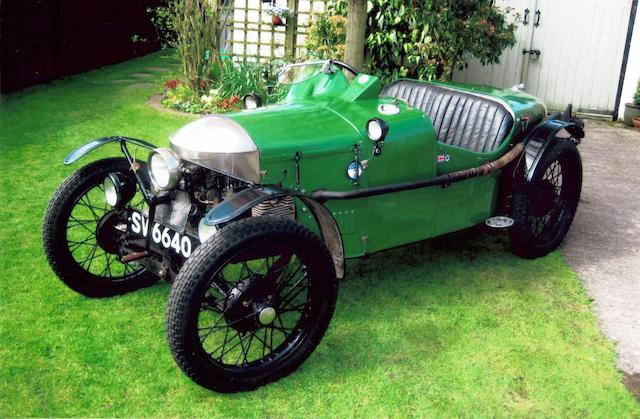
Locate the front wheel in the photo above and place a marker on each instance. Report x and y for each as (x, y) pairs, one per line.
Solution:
(80, 235)
(543, 208)
(251, 304)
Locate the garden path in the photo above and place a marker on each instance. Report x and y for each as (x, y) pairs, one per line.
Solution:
(603, 245)
(137, 80)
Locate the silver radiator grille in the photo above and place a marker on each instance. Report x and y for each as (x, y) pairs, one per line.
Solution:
(279, 207)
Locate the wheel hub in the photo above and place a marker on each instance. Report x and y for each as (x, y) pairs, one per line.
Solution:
(267, 315)
(544, 198)
(106, 233)
(248, 304)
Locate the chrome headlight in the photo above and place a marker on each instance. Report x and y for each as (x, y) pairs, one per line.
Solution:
(377, 129)
(164, 168)
(110, 191)
(118, 190)
(252, 101)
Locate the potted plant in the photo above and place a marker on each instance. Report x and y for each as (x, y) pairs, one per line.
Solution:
(632, 110)
(279, 14)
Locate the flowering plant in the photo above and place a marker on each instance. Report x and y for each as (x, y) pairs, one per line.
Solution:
(172, 84)
(281, 11)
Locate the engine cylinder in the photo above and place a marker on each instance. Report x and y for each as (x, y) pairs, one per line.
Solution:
(278, 207)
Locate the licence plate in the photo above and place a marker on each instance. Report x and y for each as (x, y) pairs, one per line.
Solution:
(162, 236)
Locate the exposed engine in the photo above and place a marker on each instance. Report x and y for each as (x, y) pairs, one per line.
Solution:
(279, 207)
(201, 189)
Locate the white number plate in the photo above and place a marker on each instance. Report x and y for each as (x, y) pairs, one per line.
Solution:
(162, 236)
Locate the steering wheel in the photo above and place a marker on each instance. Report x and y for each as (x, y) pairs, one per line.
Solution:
(345, 66)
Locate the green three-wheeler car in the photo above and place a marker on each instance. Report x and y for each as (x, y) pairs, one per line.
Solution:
(251, 215)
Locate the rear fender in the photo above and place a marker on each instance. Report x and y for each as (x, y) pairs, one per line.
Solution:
(242, 202)
(87, 148)
(539, 139)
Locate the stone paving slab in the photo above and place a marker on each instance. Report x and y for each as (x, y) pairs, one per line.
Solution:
(603, 244)
(140, 85)
(141, 75)
(158, 69)
(121, 81)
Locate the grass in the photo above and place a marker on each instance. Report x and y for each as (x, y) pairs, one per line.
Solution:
(456, 326)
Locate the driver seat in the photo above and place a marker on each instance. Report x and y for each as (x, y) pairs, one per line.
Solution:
(462, 119)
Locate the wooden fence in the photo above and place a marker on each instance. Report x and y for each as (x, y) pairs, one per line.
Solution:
(45, 40)
(250, 34)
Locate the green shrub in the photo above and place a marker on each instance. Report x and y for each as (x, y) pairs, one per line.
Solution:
(430, 38)
(244, 77)
(636, 97)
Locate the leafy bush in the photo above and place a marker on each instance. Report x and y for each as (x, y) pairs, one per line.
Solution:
(192, 28)
(230, 81)
(636, 97)
(430, 38)
(326, 38)
(244, 77)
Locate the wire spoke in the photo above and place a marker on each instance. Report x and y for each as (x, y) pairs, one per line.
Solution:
(230, 328)
(289, 297)
(83, 225)
(83, 201)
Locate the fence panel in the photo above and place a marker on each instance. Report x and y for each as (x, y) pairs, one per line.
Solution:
(250, 34)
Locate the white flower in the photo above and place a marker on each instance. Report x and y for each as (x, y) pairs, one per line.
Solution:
(214, 92)
(282, 11)
(205, 99)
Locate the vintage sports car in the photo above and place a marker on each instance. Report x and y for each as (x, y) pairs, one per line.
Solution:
(251, 215)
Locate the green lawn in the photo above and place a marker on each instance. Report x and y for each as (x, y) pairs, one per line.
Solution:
(453, 326)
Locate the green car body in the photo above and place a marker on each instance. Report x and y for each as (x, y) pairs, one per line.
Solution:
(323, 118)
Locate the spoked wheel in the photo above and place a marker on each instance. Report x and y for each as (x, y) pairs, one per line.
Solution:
(251, 304)
(543, 209)
(82, 235)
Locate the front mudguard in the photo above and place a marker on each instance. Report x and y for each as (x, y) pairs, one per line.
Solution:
(242, 202)
(87, 148)
(537, 142)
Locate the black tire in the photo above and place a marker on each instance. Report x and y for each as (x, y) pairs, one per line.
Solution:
(73, 260)
(543, 209)
(202, 290)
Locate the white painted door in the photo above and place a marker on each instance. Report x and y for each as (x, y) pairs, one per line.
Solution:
(509, 71)
(581, 44)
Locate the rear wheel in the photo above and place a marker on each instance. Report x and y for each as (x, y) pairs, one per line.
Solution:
(80, 235)
(251, 304)
(543, 209)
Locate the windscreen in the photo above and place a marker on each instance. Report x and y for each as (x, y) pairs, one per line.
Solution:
(297, 73)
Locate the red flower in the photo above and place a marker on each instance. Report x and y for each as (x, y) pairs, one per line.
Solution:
(203, 84)
(228, 103)
(172, 84)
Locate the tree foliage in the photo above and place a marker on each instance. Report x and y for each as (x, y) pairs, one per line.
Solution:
(428, 39)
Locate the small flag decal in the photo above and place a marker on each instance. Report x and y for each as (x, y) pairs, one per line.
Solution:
(442, 158)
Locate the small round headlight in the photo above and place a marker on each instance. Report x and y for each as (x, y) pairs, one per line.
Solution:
(164, 168)
(252, 101)
(355, 170)
(377, 129)
(118, 189)
(111, 191)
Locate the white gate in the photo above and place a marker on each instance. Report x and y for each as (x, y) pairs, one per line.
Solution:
(581, 47)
